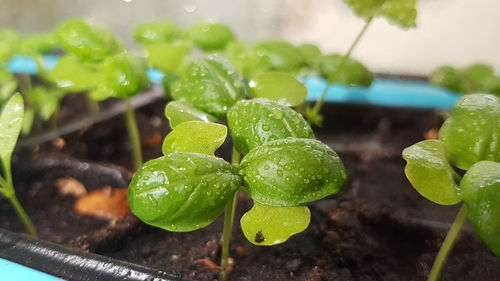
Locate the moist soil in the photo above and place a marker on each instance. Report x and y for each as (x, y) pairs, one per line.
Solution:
(377, 228)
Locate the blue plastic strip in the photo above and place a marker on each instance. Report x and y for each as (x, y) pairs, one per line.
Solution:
(384, 92)
(12, 271)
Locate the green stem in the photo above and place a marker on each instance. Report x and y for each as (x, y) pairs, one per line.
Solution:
(319, 103)
(448, 244)
(23, 216)
(228, 223)
(133, 133)
(92, 104)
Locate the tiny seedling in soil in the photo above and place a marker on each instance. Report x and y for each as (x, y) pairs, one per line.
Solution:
(282, 169)
(11, 121)
(468, 141)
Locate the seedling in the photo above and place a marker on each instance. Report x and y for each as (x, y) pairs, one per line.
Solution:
(98, 64)
(469, 141)
(283, 167)
(343, 69)
(11, 121)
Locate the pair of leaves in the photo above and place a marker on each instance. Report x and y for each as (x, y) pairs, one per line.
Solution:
(469, 140)
(210, 36)
(283, 56)
(402, 13)
(347, 71)
(477, 78)
(246, 60)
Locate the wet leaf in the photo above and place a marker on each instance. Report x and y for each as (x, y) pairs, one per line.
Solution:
(178, 112)
(283, 56)
(349, 72)
(430, 173)
(270, 225)
(472, 133)
(291, 172)
(246, 60)
(157, 31)
(106, 203)
(167, 57)
(258, 121)
(400, 12)
(182, 191)
(480, 190)
(210, 36)
(11, 122)
(278, 86)
(209, 86)
(195, 136)
(73, 75)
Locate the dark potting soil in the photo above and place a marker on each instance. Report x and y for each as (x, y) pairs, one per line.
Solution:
(377, 228)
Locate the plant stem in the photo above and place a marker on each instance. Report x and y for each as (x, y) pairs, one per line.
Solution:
(228, 223)
(23, 216)
(319, 103)
(92, 104)
(133, 133)
(448, 244)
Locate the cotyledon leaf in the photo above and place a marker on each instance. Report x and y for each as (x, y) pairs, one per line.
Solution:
(282, 55)
(258, 121)
(73, 75)
(266, 225)
(480, 190)
(182, 191)
(167, 56)
(178, 112)
(278, 86)
(11, 122)
(429, 172)
(210, 36)
(157, 31)
(400, 12)
(472, 133)
(291, 172)
(195, 136)
(352, 72)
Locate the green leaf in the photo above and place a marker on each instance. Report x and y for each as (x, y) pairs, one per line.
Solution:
(182, 191)
(87, 42)
(282, 55)
(292, 171)
(28, 119)
(45, 100)
(9, 42)
(39, 44)
(472, 133)
(336, 69)
(281, 87)
(447, 77)
(210, 36)
(429, 172)
(7, 89)
(270, 225)
(209, 86)
(399, 12)
(195, 136)
(167, 57)
(157, 31)
(123, 75)
(258, 121)
(11, 122)
(178, 112)
(480, 190)
(311, 55)
(246, 60)
(73, 75)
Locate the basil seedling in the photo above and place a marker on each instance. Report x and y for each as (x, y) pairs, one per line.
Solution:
(210, 36)
(468, 140)
(283, 167)
(283, 56)
(11, 121)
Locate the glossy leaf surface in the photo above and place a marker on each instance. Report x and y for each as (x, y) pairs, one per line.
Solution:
(400, 12)
(87, 42)
(11, 121)
(266, 225)
(73, 75)
(258, 121)
(429, 172)
(278, 86)
(195, 136)
(210, 36)
(209, 86)
(178, 112)
(292, 171)
(472, 133)
(480, 189)
(167, 57)
(182, 191)
(352, 72)
(282, 55)
(246, 60)
(156, 32)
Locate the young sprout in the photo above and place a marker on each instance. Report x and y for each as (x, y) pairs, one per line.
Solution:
(283, 167)
(11, 121)
(469, 140)
(283, 56)
(399, 12)
(477, 78)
